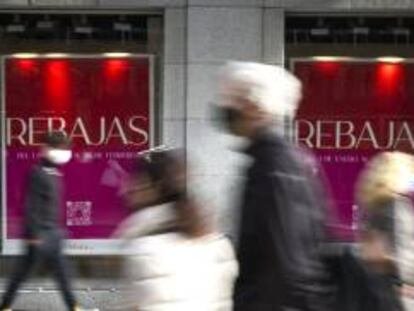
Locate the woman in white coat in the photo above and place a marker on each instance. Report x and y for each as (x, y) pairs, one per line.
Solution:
(176, 261)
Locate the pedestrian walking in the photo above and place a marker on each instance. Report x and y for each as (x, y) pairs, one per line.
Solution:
(176, 261)
(43, 233)
(387, 227)
(281, 227)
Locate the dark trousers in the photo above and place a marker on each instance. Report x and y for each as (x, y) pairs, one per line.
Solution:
(360, 288)
(48, 253)
(313, 304)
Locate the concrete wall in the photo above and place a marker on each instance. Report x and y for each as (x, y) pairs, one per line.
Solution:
(290, 5)
(217, 32)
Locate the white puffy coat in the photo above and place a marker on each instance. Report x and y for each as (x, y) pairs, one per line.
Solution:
(170, 272)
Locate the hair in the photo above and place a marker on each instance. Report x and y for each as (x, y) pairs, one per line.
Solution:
(385, 177)
(56, 139)
(167, 171)
(271, 88)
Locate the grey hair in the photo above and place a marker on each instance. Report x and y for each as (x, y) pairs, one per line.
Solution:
(271, 88)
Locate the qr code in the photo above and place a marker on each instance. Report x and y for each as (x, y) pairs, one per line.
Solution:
(78, 213)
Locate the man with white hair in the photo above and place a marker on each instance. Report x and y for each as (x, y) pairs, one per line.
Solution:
(281, 216)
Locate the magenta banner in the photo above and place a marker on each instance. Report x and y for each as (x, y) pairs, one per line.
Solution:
(105, 106)
(351, 110)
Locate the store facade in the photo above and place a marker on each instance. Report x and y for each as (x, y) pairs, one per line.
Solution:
(186, 42)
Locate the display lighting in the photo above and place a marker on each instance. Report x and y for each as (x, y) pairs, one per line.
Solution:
(361, 31)
(57, 84)
(25, 55)
(330, 58)
(45, 25)
(122, 25)
(390, 59)
(56, 55)
(83, 30)
(83, 27)
(320, 32)
(119, 26)
(325, 58)
(115, 69)
(17, 26)
(116, 54)
(26, 65)
(401, 31)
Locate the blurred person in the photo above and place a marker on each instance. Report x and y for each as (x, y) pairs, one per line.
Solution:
(177, 262)
(43, 233)
(282, 219)
(387, 234)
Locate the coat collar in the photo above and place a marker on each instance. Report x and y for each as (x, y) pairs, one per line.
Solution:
(265, 136)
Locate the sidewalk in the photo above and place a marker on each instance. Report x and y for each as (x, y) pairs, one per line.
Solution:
(42, 295)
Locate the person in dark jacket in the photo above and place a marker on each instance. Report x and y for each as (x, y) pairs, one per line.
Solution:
(281, 227)
(42, 230)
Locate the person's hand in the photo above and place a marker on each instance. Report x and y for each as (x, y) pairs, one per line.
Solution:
(376, 253)
(34, 242)
(407, 291)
